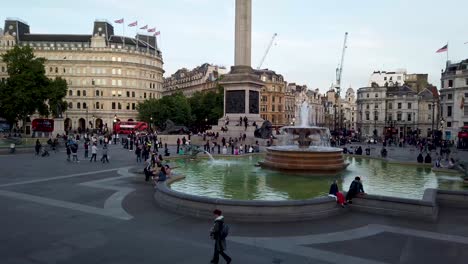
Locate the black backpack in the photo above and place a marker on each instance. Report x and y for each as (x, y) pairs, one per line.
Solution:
(224, 231)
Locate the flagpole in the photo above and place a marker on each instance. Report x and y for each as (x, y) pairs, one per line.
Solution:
(123, 30)
(147, 43)
(447, 52)
(136, 37)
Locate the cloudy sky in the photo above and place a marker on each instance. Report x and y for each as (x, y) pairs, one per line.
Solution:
(383, 35)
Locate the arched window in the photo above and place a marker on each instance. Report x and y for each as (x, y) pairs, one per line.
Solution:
(97, 92)
(70, 93)
(78, 93)
(97, 105)
(78, 105)
(85, 106)
(102, 106)
(56, 69)
(119, 106)
(70, 105)
(84, 92)
(51, 69)
(133, 94)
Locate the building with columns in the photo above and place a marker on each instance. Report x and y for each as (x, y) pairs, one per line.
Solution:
(453, 99)
(202, 78)
(107, 74)
(398, 108)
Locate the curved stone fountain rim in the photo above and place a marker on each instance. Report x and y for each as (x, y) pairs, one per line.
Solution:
(165, 188)
(302, 210)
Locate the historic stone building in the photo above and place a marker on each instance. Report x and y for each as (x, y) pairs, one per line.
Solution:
(201, 78)
(348, 110)
(107, 75)
(398, 108)
(314, 100)
(453, 99)
(273, 98)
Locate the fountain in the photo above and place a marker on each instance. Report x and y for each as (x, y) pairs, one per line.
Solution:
(307, 149)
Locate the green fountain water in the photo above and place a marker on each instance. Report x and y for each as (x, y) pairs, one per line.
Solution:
(239, 178)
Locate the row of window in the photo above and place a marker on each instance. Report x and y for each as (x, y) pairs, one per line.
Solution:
(98, 105)
(99, 71)
(264, 108)
(83, 93)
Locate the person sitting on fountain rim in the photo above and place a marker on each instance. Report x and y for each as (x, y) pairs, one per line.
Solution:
(420, 158)
(428, 159)
(354, 189)
(335, 192)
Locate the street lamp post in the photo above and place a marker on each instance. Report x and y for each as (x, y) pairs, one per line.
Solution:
(433, 118)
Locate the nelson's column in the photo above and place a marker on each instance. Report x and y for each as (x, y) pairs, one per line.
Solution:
(241, 85)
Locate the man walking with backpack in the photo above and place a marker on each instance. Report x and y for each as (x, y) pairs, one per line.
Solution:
(219, 232)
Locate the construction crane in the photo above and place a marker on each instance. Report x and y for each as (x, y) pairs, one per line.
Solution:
(339, 69)
(267, 50)
(339, 73)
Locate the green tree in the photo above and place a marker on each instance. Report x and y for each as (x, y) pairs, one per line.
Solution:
(27, 89)
(207, 105)
(174, 107)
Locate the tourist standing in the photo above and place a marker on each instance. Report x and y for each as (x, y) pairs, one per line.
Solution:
(86, 148)
(93, 152)
(218, 233)
(138, 153)
(37, 147)
(74, 150)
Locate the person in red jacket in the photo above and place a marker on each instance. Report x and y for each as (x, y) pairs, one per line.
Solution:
(334, 191)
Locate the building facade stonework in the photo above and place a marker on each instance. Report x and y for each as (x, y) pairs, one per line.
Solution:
(107, 75)
(454, 99)
(201, 78)
(398, 108)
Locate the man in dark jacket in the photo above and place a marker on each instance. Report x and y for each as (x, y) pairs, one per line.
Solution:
(354, 189)
(220, 239)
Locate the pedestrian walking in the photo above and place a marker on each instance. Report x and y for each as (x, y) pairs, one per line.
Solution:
(93, 152)
(104, 154)
(218, 233)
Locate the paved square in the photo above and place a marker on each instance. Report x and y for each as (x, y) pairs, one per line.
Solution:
(60, 212)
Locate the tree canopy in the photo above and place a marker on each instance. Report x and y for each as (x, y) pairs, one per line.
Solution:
(27, 89)
(190, 112)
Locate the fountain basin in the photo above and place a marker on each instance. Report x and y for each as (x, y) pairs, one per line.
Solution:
(315, 160)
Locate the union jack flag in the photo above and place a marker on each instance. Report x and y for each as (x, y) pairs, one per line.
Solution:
(133, 24)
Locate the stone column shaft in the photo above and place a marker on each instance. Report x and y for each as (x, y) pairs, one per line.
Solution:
(243, 33)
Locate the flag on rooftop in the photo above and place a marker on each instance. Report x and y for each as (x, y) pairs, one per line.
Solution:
(119, 21)
(443, 49)
(157, 33)
(133, 24)
(145, 27)
(152, 30)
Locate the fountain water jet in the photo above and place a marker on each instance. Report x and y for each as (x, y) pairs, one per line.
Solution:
(307, 149)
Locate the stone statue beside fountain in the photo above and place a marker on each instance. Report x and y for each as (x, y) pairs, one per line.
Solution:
(307, 149)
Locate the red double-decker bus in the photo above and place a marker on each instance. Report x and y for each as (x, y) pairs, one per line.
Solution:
(463, 138)
(129, 127)
(42, 125)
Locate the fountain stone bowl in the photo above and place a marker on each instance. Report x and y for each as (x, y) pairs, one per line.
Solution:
(307, 151)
